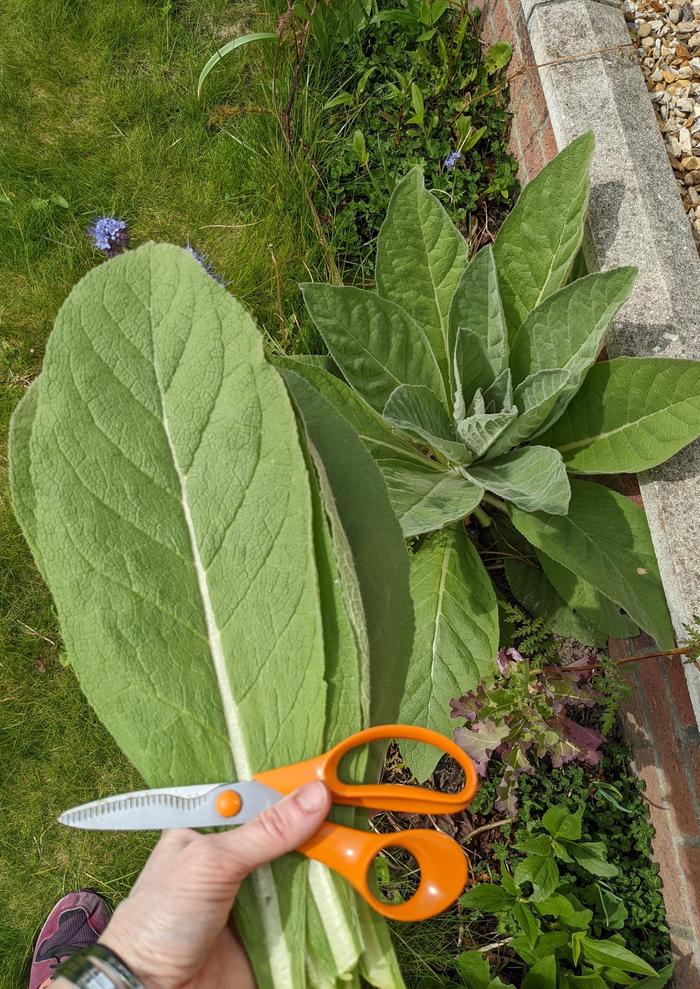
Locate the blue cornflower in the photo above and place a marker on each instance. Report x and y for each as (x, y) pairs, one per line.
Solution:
(452, 159)
(109, 235)
(203, 260)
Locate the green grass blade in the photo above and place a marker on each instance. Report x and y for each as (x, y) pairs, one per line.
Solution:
(244, 39)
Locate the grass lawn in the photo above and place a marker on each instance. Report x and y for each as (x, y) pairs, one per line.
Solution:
(99, 115)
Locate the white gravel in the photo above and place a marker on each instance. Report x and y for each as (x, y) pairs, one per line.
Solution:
(667, 36)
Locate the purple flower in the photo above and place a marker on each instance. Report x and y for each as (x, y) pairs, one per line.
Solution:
(452, 159)
(203, 260)
(109, 235)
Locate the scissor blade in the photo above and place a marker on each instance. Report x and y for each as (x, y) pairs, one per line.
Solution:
(170, 807)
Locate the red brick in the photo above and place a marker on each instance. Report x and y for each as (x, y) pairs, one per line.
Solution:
(502, 24)
(686, 974)
(666, 855)
(533, 156)
(549, 142)
(679, 692)
(671, 751)
(690, 865)
(519, 90)
(692, 756)
(539, 105)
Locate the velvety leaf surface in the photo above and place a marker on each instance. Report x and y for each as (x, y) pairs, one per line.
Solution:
(21, 484)
(535, 397)
(374, 342)
(631, 413)
(354, 492)
(499, 394)
(379, 438)
(533, 478)
(533, 590)
(566, 331)
(425, 499)
(416, 410)
(470, 370)
(481, 430)
(165, 459)
(476, 306)
(456, 637)
(605, 540)
(587, 601)
(536, 246)
(420, 259)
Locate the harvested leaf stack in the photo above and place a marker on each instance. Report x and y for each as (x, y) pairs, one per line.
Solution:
(227, 601)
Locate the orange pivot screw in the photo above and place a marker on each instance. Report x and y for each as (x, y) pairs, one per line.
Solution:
(228, 803)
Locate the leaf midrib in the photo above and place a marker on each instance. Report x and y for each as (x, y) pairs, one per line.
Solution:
(631, 424)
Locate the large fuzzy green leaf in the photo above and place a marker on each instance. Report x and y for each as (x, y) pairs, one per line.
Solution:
(536, 246)
(175, 530)
(375, 343)
(373, 430)
(480, 430)
(532, 589)
(535, 397)
(418, 411)
(586, 600)
(630, 414)
(456, 637)
(533, 478)
(354, 492)
(605, 540)
(471, 370)
(476, 306)
(567, 330)
(426, 499)
(420, 259)
(21, 484)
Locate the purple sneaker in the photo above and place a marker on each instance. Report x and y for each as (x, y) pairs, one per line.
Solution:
(76, 922)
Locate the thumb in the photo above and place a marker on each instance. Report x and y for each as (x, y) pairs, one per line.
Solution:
(279, 829)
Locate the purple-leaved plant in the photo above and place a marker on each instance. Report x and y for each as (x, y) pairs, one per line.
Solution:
(523, 713)
(109, 235)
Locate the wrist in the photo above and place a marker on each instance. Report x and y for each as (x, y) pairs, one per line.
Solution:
(97, 967)
(121, 947)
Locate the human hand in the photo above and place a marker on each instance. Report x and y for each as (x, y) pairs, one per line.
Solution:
(172, 931)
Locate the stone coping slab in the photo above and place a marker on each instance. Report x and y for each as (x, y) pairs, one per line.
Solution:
(592, 81)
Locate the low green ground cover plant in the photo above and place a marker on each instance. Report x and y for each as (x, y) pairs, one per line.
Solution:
(567, 934)
(154, 450)
(415, 89)
(474, 384)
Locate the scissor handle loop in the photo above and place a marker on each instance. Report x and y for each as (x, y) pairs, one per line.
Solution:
(397, 796)
(443, 866)
(376, 796)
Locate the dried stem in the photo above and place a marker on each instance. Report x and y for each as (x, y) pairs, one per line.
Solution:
(488, 827)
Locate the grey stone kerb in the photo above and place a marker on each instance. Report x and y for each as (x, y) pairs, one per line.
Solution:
(636, 217)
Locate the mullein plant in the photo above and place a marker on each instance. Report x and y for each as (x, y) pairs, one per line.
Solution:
(475, 383)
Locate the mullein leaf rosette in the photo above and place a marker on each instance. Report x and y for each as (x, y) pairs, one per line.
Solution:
(475, 384)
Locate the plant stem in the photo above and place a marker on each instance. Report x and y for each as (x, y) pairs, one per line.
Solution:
(495, 945)
(482, 518)
(496, 502)
(488, 827)
(585, 667)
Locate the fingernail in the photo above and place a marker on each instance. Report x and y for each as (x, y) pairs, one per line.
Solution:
(311, 797)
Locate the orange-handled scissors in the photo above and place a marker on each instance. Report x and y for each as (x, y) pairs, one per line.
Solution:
(443, 864)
